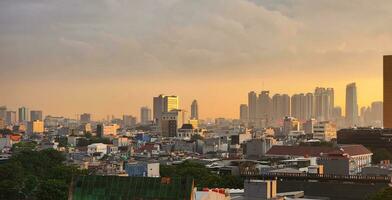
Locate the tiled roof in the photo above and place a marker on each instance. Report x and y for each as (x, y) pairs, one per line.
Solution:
(355, 149)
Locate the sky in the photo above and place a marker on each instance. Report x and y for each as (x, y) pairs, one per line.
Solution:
(110, 57)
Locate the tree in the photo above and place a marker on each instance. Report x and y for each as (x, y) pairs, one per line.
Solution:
(30, 174)
(381, 154)
(385, 193)
(203, 176)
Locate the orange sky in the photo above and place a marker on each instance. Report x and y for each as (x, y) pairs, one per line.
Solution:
(112, 57)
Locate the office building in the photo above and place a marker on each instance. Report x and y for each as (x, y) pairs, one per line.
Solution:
(85, 118)
(309, 126)
(387, 119)
(171, 121)
(377, 114)
(2, 123)
(163, 104)
(3, 112)
(11, 118)
(309, 106)
(280, 107)
(36, 115)
(290, 124)
(36, 127)
(128, 121)
(145, 115)
(324, 131)
(264, 106)
(170, 103)
(252, 106)
(107, 130)
(324, 103)
(23, 114)
(298, 106)
(243, 113)
(351, 105)
(194, 110)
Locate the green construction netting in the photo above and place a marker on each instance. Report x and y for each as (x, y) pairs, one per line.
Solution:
(130, 188)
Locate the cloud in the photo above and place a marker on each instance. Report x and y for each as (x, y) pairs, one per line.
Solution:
(118, 38)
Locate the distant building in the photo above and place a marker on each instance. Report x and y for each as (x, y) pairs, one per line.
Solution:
(257, 148)
(264, 108)
(324, 131)
(290, 124)
(11, 118)
(3, 112)
(171, 121)
(194, 110)
(145, 115)
(351, 105)
(302, 106)
(324, 103)
(106, 130)
(36, 115)
(142, 169)
(35, 127)
(2, 123)
(387, 91)
(97, 149)
(252, 106)
(129, 121)
(244, 113)
(85, 118)
(309, 126)
(163, 104)
(23, 114)
(121, 141)
(280, 107)
(343, 160)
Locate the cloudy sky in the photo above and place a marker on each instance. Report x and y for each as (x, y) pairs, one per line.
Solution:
(111, 56)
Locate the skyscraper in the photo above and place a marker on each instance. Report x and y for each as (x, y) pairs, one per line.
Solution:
(23, 114)
(264, 106)
(162, 104)
(351, 105)
(129, 121)
(298, 106)
(309, 106)
(280, 107)
(11, 118)
(145, 115)
(243, 112)
(194, 110)
(3, 112)
(252, 106)
(387, 91)
(377, 113)
(36, 115)
(302, 106)
(324, 103)
(85, 118)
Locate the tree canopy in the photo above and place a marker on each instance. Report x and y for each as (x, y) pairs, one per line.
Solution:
(203, 176)
(34, 175)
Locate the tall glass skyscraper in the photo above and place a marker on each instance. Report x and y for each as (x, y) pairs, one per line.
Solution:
(351, 105)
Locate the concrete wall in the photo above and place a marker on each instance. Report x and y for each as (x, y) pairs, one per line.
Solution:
(333, 190)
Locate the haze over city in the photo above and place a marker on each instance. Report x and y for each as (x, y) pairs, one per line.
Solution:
(111, 57)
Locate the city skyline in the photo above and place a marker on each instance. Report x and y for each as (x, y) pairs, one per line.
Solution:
(102, 116)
